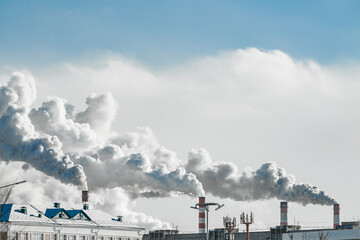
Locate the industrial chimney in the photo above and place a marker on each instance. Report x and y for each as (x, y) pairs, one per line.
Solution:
(336, 215)
(283, 213)
(85, 199)
(202, 224)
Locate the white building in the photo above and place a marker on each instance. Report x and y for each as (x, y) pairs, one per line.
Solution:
(27, 222)
(330, 234)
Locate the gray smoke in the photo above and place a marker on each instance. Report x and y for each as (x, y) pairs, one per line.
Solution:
(135, 161)
(143, 140)
(20, 142)
(40, 136)
(223, 179)
(109, 168)
(41, 190)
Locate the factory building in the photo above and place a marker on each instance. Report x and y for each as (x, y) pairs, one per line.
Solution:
(284, 231)
(28, 222)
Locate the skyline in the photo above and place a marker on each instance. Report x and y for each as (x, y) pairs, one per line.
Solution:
(249, 82)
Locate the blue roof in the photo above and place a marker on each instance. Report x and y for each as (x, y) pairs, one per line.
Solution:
(73, 213)
(5, 210)
(52, 212)
(12, 213)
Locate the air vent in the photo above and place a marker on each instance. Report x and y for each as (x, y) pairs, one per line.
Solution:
(86, 206)
(24, 209)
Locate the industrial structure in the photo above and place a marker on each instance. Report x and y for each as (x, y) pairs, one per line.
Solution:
(284, 231)
(203, 208)
(28, 222)
(247, 220)
(230, 226)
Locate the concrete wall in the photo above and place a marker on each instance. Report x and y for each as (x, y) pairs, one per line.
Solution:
(188, 236)
(253, 236)
(212, 236)
(348, 234)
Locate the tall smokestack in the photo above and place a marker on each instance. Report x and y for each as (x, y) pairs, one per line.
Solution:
(336, 215)
(85, 200)
(283, 213)
(202, 224)
(85, 196)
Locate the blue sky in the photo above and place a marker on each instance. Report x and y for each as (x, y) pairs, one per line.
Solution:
(160, 33)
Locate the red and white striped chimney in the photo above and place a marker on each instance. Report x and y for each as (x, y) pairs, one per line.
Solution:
(283, 213)
(202, 223)
(336, 215)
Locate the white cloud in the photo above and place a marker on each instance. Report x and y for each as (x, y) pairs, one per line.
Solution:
(246, 106)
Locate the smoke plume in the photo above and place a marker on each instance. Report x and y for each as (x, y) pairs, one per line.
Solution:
(100, 112)
(20, 142)
(65, 144)
(223, 179)
(135, 173)
(41, 190)
(53, 118)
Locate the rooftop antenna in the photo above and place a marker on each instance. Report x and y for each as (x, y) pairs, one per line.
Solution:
(230, 225)
(294, 220)
(247, 220)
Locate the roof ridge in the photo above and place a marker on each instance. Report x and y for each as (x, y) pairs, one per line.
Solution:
(35, 208)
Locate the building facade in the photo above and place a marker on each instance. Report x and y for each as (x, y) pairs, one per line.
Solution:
(27, 222)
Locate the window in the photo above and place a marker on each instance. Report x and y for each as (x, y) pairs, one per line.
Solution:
(24, 236)
(72, 237)
(37, 236)
(63, 237)
(14, 236)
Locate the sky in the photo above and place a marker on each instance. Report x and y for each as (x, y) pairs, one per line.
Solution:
(195, 86)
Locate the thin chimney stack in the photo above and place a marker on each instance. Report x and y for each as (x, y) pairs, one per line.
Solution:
(336, 215)
(283, 213)
(85, 200)
(202, 223)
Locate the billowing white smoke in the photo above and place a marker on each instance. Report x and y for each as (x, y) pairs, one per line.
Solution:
(61, 143)
(20, 142)
(33, 137)
(41, 190)
(143, 140)
(100, 113)
(52, 118)
(118, 200)
(110, 168)
(223, 179)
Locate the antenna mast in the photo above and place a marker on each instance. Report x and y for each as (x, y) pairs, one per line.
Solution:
(247, 220)
(230, 225)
